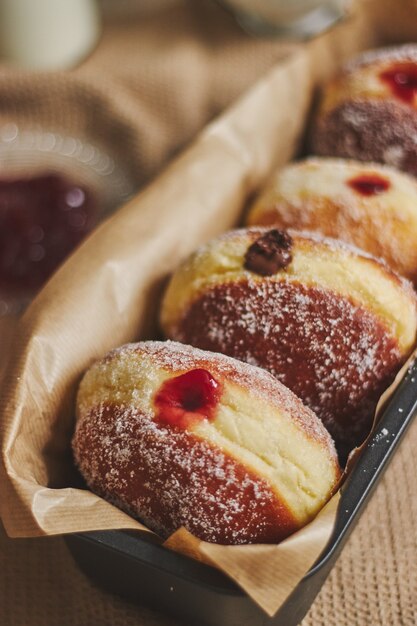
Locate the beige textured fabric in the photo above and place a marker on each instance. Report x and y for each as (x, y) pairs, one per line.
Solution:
(146, 90)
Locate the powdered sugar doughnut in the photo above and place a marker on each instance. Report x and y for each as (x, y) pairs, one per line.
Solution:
(369, 112)
(370, 205)
(180, 437)
(330, 322)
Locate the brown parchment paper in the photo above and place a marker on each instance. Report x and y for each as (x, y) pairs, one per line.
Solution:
(107, 294)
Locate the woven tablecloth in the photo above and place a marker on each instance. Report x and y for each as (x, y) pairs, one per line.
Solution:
(152, 83)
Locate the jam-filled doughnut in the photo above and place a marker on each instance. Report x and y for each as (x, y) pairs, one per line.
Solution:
(331, 323)
(369, 111)
(370, 205)
(179, 437)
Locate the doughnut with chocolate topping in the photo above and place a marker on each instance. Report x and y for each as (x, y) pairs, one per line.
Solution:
(179, 437)
(369, 111)
(334, 325)
(369, 205)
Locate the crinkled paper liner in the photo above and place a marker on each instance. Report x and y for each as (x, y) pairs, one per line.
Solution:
(107, 293)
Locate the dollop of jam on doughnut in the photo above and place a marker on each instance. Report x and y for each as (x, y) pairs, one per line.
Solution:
(402, 80)
(185, 399)
(270, 253)
(369, 184)
(42, 219)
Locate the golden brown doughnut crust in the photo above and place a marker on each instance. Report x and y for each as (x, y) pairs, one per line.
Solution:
(254, 470)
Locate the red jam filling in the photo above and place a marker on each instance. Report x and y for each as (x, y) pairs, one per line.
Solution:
(402, 80)
(369, 184)
(42, 219)
(186, 399)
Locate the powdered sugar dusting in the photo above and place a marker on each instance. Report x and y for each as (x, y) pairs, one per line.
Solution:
(333, 354)
(169, 478)
(369, 130)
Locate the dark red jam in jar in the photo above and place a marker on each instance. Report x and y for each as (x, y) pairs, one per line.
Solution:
(42, 219)
(402, 80)
(369, 184)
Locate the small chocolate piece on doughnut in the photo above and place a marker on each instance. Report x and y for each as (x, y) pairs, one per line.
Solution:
(270, 253)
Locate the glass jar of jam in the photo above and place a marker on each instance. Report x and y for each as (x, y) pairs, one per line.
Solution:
(54, 189)
(42, 219)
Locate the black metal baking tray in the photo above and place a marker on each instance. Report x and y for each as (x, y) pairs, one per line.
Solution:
(136, 567)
